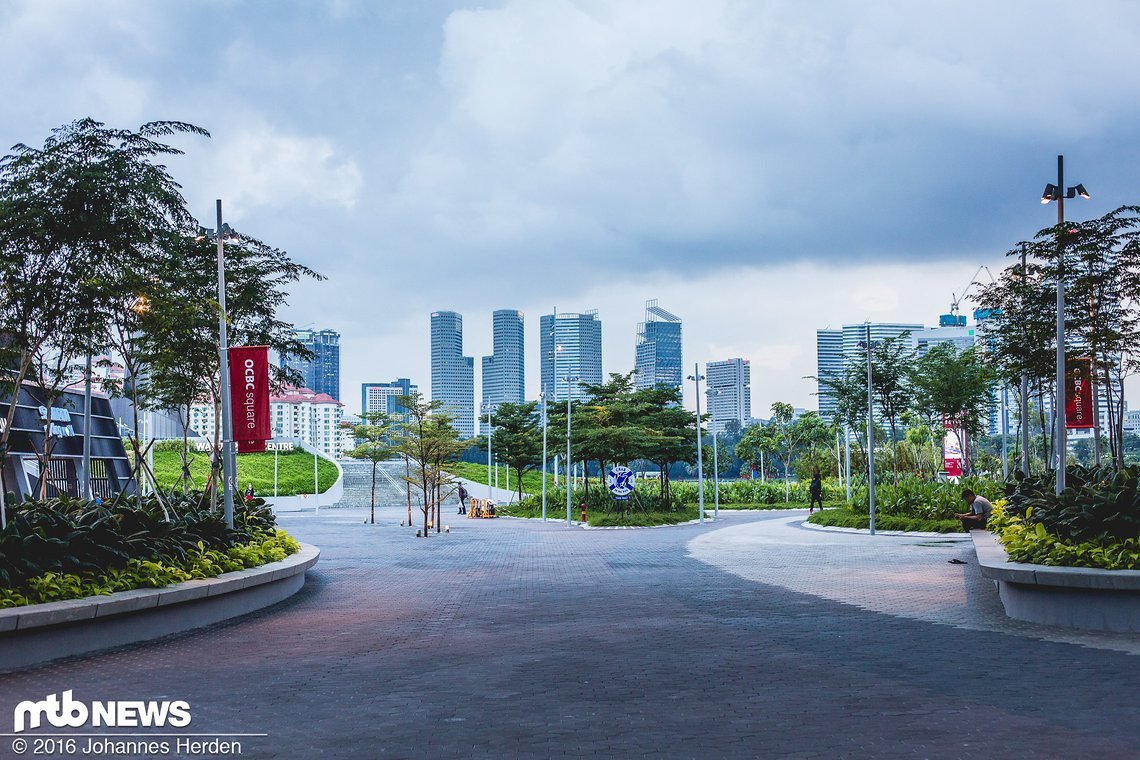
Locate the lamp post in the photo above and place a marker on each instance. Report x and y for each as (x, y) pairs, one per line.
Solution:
(543, 397)
(847, 460)
(697, 377)
(1059, 193)
(716, 462)
(229, 458)
(569, 460)
(870, 436)
(488, 407)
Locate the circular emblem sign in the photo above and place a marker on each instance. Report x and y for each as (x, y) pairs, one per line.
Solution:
(620, 481)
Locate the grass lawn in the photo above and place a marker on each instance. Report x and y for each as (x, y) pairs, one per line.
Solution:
(294, 473)
(845, 518)
(532, 481)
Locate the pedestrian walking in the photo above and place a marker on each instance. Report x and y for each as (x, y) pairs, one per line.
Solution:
(815, 491)
(462, 500)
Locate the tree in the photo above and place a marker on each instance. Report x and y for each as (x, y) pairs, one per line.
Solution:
(956, 385)
(80, 219)
(783, 438)
(377, 436)
(427, 439)
(517, 438)
(672, 433)
(890, 366)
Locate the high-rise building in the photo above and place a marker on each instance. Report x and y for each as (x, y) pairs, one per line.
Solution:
(503, 375)
(571, 346)
(381, 397)
(321, 374)
(829, 366)
(854, 335)
(658, 351)
(729, 394)
(452, 373)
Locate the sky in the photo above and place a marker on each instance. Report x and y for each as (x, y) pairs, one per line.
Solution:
(764, 169)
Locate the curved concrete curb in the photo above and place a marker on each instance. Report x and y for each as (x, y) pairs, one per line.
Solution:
(39, 633)
(866, 532)
(1078, 597)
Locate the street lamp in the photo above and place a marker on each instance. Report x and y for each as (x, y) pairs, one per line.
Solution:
(542, 396)
(716, 462)
(1059, 193)
(697, 377)
(569, 489)
(870, 432)
(229, 459)
(488, 407)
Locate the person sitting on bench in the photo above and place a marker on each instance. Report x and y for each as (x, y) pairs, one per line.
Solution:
(980, 509)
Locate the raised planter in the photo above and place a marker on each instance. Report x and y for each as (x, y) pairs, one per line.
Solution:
(1076, 597)
(39, 633)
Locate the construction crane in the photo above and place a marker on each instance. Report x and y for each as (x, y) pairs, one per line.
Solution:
(953, 318)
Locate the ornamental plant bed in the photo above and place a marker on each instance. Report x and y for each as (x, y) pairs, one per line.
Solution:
(68, 548)
(1094, 522)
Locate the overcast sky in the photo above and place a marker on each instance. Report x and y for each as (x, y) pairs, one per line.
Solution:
(763, 168)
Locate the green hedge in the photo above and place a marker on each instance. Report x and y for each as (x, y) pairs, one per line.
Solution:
(846, 518)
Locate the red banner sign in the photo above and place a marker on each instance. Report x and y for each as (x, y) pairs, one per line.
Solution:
(249, 396)
(1079, 394)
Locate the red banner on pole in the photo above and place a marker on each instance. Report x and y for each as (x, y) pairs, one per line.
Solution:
(1079, 395)
(249, 396)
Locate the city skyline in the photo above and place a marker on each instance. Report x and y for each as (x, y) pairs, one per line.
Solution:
(533, 154)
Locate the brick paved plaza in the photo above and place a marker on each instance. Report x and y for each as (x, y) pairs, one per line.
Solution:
(753, 637)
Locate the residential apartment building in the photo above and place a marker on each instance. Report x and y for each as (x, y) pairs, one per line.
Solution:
(571, 347)
(729, 394)
(452, 373)
(293, 413)
(381, 397)
(657, 359)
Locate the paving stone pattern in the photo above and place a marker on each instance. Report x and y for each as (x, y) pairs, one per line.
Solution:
(511, 638)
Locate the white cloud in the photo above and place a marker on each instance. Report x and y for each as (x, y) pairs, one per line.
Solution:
(254, 166)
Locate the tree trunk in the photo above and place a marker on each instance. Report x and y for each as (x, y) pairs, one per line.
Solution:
(374, 465)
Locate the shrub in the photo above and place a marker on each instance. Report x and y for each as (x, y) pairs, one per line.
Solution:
(1027, 540)
(73, 537)
(1097, 503)
(924, 500)
(200, 562)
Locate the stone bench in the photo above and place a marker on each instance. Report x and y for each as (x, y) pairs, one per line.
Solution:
(38, 633)
(1076, 597)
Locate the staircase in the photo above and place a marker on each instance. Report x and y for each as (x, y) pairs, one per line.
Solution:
(358, 484)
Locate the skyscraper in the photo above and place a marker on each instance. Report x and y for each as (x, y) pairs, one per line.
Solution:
(381, 397)
(503, 371)
(658, 352)
(452, 373)
(571, 346)
(829, 366)
(729, 393)
(321, 374)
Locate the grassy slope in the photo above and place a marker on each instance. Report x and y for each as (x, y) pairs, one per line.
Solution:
(294, 476)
